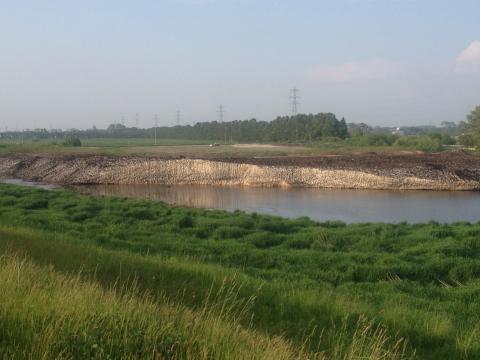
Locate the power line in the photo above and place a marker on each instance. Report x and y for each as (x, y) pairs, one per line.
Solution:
(294, 97)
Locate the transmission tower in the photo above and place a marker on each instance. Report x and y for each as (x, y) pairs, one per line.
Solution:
(137, 120)
(221, 113)
(221, 116)
(294, 98)
(179, 117)
(156, 126)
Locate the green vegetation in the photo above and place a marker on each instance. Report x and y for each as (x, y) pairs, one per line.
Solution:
(300, 288)
(109, 146)
(422, 143)
(187, 148)
(473, 124)
(49, 315)
(372, 140)
(285, 129)
(318, 133)
(118, 147)
(313, 134)
(466, 140)
(434, 142)
(140, 142)
(72, 141)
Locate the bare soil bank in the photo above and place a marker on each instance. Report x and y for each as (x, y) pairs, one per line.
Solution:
(446, 171)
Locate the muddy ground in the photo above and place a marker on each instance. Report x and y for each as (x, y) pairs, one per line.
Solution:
(451, 168)
(465, 166)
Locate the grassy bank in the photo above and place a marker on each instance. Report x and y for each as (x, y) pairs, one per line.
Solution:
(218, 303)
(331, 289)
(48, 315)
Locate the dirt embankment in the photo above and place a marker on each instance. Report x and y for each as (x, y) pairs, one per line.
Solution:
(449, 171)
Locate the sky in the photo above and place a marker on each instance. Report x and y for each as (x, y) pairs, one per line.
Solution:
(76, 64)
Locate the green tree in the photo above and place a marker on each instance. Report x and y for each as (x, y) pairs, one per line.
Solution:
(474, 121)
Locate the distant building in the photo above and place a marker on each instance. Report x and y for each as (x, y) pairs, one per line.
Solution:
(398, 131)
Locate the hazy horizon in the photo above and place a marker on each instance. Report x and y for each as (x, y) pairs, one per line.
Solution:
(131, 125)
(381, 62)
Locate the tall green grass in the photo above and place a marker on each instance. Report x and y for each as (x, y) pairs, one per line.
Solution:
(310, 283)
(238, 300)
(47, 315)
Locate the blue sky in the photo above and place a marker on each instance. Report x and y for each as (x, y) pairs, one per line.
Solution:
(385, 62)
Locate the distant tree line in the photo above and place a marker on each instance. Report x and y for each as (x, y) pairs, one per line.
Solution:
(299, 128)
(445, 128)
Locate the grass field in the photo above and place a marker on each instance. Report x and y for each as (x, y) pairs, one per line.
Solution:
(299, 288)
(187, 148)
(201, 148)
(146, 147)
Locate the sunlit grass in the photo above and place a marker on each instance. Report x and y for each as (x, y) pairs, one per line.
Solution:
(47, 315)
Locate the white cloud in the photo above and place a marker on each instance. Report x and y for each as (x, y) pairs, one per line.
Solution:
(356, 70)
(469, 59)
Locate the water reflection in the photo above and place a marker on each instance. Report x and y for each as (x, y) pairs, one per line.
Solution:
(318, 204)
(30, 183)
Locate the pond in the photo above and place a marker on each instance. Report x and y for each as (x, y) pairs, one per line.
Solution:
(351, 206)
(319, 204)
